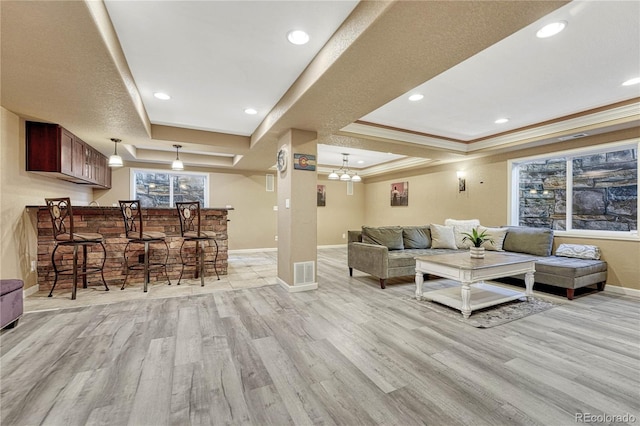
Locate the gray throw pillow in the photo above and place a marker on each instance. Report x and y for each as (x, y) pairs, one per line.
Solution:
(388, 236)
(536, 241)
(416, 237)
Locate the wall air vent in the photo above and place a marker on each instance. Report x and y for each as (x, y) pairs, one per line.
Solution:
(304, 272)
(576, 136)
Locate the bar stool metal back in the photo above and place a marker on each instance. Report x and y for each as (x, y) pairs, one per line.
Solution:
(191, 230)
(132, 216)
(64, 235)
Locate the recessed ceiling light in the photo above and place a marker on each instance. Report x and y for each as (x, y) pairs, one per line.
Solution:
(298, 37)
(631, 82)
(360, 161)
(250, 111)
(551, 29)
(416, 97)
(501, 120)
(162, 96)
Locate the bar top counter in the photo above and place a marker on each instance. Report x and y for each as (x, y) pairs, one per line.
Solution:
(107, 220)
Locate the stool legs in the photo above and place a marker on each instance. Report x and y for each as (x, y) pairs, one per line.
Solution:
(75, 273)
(199, 260)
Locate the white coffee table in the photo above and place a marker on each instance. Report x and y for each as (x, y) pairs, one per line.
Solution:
(475, 293)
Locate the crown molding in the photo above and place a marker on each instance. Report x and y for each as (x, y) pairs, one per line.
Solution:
(610, 118)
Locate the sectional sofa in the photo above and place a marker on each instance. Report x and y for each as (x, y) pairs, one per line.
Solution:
(389, 251)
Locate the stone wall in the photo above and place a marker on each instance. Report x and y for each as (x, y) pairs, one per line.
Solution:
(108, 222)
(605, 192)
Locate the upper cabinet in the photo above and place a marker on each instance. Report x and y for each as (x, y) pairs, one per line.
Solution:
(54, 150)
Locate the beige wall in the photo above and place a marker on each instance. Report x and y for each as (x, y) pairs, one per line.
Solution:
(19, 188)
(433, 197)
(342, 212)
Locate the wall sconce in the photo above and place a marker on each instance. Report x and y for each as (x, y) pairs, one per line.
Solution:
(462, 183)
(177, 163)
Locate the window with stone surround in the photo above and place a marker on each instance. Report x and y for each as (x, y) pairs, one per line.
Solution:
(163, 189)
(591, 190)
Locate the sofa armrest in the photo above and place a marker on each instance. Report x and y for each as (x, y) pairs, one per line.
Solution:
(370, 258)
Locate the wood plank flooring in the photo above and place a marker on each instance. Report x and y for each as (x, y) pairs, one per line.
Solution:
(348, 353)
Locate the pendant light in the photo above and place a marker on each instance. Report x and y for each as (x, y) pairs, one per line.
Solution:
(344, 174)
(115, 160)
(177, 163)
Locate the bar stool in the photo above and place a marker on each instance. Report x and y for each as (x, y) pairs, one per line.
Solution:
(189, 213)
(132, 216)
(63, 235)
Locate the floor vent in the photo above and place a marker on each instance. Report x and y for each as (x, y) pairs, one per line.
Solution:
(304, 272)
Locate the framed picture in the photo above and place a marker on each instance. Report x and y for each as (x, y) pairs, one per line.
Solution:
(304, 162)
(322, 195)
(400, 194)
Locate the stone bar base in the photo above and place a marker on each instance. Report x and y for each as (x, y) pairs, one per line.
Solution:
(108, 222)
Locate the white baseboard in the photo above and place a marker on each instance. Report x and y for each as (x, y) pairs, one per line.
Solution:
(31, 290)
(261, 250)
(622, 290)
(296, 288)
(252, 250)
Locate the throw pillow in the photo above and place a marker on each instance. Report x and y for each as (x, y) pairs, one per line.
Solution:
(388, 236)
(468, 222)
(522, 239)
(458, 232)
(416, 237)
(459, 228)
(442, 237)
(497, 235)
(578, 251)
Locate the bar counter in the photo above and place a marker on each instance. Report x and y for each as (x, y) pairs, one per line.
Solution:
(108, 222)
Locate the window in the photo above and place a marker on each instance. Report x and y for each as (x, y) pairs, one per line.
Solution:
(163, 189)
(588, 191)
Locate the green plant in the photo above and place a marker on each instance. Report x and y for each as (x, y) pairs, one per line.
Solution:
(477, 238)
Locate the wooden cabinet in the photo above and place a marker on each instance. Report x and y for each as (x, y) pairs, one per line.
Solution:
(55, 151)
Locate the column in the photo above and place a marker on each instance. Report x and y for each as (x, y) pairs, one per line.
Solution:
(297, 216)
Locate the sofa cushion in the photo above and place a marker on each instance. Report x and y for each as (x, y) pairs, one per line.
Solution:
(497, 235)
(442, 237)
(578, 251)
(403, 258)
(416, 237)
(461, 227)
(388, 236)
(569, 267)
(522, 239)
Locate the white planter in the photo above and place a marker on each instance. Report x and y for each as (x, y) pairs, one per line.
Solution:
(477, 252)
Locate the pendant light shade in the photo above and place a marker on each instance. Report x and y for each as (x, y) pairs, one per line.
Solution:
(344, 174)
(177, 163)
(115, 160)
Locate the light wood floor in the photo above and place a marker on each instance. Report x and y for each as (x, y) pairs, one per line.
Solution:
(347, 354)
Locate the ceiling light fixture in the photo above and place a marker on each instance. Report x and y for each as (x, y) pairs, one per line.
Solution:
(416, 97)
(631, 81)
(344, 174)
(115, 160)
(298, 37)
(551, 29)
(501, 120)
(177, 163)
(162, 96)
(250, 111)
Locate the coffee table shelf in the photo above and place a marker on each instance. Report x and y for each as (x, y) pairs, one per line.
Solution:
(475, 293)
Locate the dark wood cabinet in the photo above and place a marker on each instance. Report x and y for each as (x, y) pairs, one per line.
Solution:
(53, 150)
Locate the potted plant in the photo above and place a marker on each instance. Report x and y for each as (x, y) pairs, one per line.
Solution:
(477, 238)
